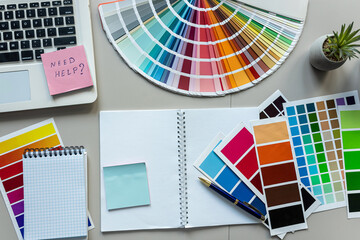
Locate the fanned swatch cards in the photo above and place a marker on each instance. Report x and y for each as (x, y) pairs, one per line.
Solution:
(203, 47)
(216, 170)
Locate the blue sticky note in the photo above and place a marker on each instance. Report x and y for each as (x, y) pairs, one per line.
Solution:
(126, 186)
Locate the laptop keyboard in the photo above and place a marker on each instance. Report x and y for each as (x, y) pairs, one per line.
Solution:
(29, 29)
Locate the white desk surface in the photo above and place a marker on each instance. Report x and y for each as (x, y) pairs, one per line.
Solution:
(119, 88)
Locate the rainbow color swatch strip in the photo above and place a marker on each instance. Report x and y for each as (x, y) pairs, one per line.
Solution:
(315, 132)
(350, 135)
(12, 146)
(199, 47)
(279, 178)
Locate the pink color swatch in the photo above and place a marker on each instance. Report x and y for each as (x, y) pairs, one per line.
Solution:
(238, 145)
(238, 152)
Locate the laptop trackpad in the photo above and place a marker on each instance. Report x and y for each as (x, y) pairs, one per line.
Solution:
(14, 87)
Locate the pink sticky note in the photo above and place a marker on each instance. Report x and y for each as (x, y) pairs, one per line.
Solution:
(66, 70)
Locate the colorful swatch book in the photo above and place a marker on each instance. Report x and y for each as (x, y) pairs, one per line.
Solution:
(315, 136)
(162, 148)
(204, 47)
(55, 193)
(12, 148)
(350, 135)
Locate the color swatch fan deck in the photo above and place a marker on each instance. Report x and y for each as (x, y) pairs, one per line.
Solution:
(203, 47)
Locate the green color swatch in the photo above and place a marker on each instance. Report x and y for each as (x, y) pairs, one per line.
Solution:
(327, 188)
(350, 119)
(321, 157)
(315, 180)
(352, 160)
(319, 147)
(314, 127)
(323, 168)
(352, 181)
(351, 139)
(313, 117)
(325, 178)
(317, 137)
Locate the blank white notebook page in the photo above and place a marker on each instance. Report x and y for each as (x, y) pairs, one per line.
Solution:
(201, 128)
(55, 197)
(142, 136)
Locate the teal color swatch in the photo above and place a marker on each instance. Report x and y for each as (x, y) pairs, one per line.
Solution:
(126, 186)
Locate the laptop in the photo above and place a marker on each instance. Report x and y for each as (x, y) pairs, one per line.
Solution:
(29, 28)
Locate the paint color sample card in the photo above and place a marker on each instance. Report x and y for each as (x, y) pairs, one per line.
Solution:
(12, 146)
(66, 70)
(273, 106)
(126, 186)
(315, 131)
(200, 47)
(211, 166)
(55, 194)
(350, 135)
(238, 152)
(235, 152)
(279, 176)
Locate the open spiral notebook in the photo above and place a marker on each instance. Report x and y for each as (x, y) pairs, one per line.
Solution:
(158, 138)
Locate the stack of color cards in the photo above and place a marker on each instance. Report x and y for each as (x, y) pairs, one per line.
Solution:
(215, 169)
(203, 47)
(292, 159)
(231, 162)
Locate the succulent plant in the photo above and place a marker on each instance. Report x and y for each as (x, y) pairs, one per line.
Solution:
(341, 46)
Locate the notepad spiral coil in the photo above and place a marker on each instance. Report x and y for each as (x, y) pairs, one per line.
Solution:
(181, 130)
(44, 152)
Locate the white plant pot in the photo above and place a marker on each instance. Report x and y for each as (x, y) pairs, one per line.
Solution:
(318, 59)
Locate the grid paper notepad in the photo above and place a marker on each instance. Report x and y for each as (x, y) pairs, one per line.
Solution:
(55, 196)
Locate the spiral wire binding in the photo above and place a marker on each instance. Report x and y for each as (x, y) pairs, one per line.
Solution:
(44, 152)
(182, 168)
